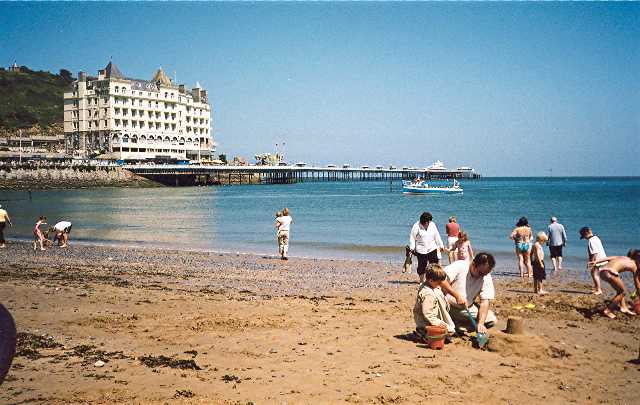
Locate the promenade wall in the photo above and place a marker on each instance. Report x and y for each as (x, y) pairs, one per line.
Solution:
(71, 177)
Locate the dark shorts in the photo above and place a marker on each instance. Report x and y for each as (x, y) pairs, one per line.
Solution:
(2, 225)
(555, 251)
(424, 260)
(538, 272)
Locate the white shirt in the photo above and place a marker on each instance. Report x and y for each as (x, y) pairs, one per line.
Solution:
(62, 225)
(424, 240)
(594, 247)
(467, 286)
(284, 223)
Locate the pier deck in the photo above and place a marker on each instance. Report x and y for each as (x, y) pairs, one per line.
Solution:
(178, 175)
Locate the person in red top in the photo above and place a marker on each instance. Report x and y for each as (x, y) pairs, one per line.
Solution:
(453, 229)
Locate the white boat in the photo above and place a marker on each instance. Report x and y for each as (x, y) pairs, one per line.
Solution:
(422, 187)
(437, 166)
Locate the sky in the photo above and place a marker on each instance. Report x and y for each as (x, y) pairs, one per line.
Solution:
(512, 89)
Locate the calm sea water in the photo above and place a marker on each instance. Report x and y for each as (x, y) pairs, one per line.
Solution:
(342, 220)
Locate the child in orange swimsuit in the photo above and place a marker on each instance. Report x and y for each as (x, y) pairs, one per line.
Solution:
(38, 236)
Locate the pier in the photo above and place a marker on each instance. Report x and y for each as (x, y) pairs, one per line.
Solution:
(190, 175)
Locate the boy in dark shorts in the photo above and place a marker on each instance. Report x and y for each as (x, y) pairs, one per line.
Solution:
(537, 262)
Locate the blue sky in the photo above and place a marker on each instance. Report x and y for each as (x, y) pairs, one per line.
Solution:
(513, 89)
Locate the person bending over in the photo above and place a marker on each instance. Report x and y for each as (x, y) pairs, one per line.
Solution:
(467, 281)
(62, 230)
(610, 272)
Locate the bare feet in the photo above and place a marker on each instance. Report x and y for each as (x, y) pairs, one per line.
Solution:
(596, 292)
(627, 311)
(608, 313)
(543, 292)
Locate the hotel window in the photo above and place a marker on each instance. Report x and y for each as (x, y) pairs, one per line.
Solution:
(117, 89)
(165, 94)
(125, 149)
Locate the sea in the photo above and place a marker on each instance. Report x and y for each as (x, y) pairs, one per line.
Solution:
(353, 220)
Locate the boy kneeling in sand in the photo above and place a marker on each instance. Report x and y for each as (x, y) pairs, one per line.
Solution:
(431, 308)
(612, 266)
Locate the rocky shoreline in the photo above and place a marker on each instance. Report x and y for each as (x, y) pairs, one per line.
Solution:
(68, 178)
(102, 324)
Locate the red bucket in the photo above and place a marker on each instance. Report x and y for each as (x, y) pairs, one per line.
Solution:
(435, 336)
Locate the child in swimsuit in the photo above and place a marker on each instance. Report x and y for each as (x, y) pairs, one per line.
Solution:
(462, 247)
(38, 236)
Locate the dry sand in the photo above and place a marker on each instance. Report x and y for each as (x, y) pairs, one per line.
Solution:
(190, 327)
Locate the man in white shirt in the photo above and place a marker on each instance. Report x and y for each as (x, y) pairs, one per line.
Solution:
(425, 243)
(62, 230)
(465, 282)
(595, 252)
(283, 225)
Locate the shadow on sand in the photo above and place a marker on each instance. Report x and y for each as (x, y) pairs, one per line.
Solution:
(405, 282)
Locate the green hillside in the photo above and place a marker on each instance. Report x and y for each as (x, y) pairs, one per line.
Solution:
(28, 97)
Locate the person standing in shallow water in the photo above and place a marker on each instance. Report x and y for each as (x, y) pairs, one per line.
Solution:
(557, 240)
(278, 215)
(522, 237)
(283, 225)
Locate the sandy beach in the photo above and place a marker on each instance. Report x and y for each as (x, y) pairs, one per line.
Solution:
(194, 327)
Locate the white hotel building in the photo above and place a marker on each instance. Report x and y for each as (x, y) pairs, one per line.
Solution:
(133, 119)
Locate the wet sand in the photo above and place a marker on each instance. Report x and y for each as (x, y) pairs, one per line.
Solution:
(191, 327)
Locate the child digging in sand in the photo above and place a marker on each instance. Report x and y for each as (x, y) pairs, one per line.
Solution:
(431, 309)
(537, 262)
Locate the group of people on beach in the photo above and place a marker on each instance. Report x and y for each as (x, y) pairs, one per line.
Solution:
(41, 231)
(446, 296)
(531, 258)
